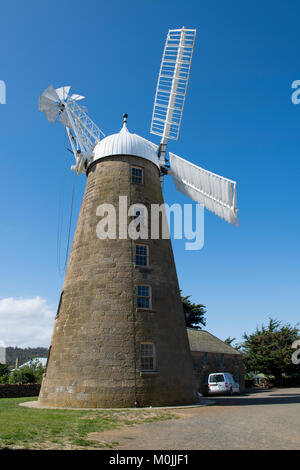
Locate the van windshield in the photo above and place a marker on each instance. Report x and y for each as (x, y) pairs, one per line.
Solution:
(216, 378)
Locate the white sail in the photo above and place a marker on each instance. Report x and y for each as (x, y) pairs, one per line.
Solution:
(216, 193)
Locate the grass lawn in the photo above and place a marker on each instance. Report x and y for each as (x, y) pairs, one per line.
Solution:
(29, 428)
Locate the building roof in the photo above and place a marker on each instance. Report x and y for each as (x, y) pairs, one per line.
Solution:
(37, 361)
(203, 341)
(126, 143)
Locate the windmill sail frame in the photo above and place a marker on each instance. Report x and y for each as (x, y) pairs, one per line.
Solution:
(83, 133)
(172, 83)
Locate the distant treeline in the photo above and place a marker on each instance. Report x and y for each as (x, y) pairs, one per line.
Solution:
(23, 354)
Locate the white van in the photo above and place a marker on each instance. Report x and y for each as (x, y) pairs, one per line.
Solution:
(222, 382)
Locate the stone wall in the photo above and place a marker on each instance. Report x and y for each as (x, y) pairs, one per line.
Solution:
(208, 363)
(19, 390)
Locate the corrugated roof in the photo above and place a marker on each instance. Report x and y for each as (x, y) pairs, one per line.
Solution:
(203, 341)
(38, 361)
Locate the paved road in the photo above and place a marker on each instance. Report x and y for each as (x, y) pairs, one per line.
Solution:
(261, 420)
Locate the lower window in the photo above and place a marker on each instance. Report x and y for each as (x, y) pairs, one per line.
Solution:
(144, 297)
(148, 360)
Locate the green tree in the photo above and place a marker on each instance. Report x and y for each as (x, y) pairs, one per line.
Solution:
(37, 369)
(230, 341)
(4, 379)
(31, 373)
(194, 313)
(4, 371)
(24, 375)
(268, 350)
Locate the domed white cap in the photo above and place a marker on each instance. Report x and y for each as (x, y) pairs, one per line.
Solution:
(125, 143)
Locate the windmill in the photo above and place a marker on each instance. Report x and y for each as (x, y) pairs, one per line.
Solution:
(119, 338)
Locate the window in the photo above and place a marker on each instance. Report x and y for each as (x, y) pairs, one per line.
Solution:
(205, 357)
(137, 175)
(144, 297)
(236, 360)
(141, 255)
(216, 378)
(148, 359)
(222, 359)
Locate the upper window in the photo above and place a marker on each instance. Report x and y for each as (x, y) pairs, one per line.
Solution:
(137, 176)
(148, 359)
(143, 296)
(141, 255)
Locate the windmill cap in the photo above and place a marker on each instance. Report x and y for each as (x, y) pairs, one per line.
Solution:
(126, 143)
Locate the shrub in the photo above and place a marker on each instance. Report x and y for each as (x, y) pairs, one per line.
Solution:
(4, 379)
(24, 375)
(4, 370)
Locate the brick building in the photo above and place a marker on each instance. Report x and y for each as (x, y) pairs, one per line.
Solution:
(210, 354)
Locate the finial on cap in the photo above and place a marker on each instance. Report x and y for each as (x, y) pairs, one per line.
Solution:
(125, 116)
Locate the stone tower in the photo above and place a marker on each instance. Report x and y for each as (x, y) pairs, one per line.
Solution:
(119, 337)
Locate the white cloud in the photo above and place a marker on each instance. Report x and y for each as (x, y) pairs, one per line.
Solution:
(26, 322)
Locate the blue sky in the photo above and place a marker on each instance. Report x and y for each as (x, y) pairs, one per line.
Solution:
(238, 121)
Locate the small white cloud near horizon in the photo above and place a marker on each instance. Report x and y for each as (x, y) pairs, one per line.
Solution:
(26, 322)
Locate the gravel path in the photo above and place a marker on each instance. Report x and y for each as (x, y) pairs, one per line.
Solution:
(261, 420)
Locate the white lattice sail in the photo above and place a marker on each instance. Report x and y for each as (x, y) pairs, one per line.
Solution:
(172, 83)
(83, 133)
(216, 193)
